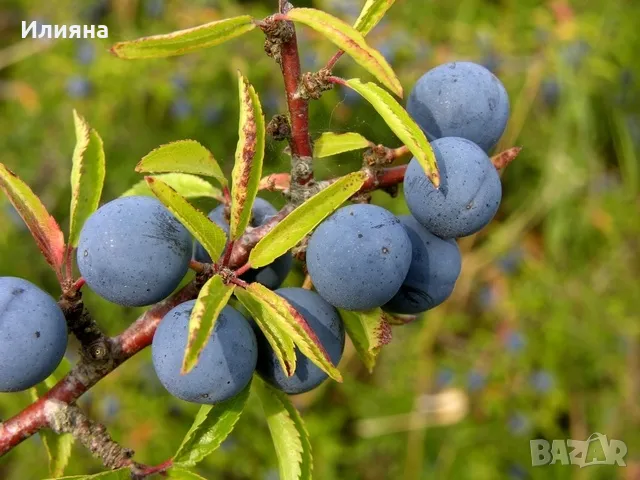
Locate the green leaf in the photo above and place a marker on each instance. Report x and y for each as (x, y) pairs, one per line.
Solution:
(184, 156)
(369, 331)
(210, 235)
(247, 169)
(351, 41)
(331, 143)
(286, 234)
(287, 318)
(120, 474)
(43, 226)
(87, 176)
(371, 14)
(402, 125)
(266, 318)
(290, 437)
(182, 474)
(212, 425)
(211, 300)
(187, 185)
(58, 447)
(185, 41)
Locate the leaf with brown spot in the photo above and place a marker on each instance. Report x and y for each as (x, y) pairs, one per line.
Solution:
(41, 224)
(211, 300)
(185, 41)
(351, 41)
(265, 317)
(369, 331)
(287, 318)
(87, 176)
(247, 170)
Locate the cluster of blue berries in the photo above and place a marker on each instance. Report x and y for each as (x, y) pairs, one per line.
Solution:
(134, 252)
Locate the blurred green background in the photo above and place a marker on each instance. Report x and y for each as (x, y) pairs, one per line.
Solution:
(541, 337)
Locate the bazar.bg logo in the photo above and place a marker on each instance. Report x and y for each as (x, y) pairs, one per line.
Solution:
(595, 450)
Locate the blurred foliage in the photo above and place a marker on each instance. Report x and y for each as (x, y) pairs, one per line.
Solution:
(541, 337)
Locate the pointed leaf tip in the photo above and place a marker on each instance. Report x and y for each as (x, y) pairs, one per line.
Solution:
(351, 41)
(401, 124)
(43, 227)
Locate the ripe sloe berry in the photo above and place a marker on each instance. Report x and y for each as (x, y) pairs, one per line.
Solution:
(33, 334)
(435, 266)
(359, 257)
(133, 251)
(469, 194)
(225, 366)
(460, 99)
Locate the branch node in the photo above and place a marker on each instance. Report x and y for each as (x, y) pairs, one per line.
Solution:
(314, 84)
(279, 128)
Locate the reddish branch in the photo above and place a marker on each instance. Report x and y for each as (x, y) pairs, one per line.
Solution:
(86, 373)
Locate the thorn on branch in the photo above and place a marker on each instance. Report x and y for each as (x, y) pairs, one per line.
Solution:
(503, 159)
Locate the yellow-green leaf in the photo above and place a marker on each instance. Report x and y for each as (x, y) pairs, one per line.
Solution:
(293, 324)
(402, 125)
(371, 14)
(187, 185)
(184, 156)
(351, 41)
(290, 437)
(368, 331)
(286, 234)
(43, 226)
(212, 425)
(331, 143)
(211, 300)
(247, 169)
(120, 474)
(183, 474)
(265, 317)
(185, 41)
(87, 176)
(58, 447)
(210, 235)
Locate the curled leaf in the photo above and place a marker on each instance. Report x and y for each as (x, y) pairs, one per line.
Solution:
(247, 169)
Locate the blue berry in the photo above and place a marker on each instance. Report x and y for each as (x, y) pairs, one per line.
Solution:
(460, 99)
(78, 87)
(225, 365)
(469, 194)
(435, 266)
(33, 334)
(270, 276)
(133, 251)
(326, 323)
(359, 257)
